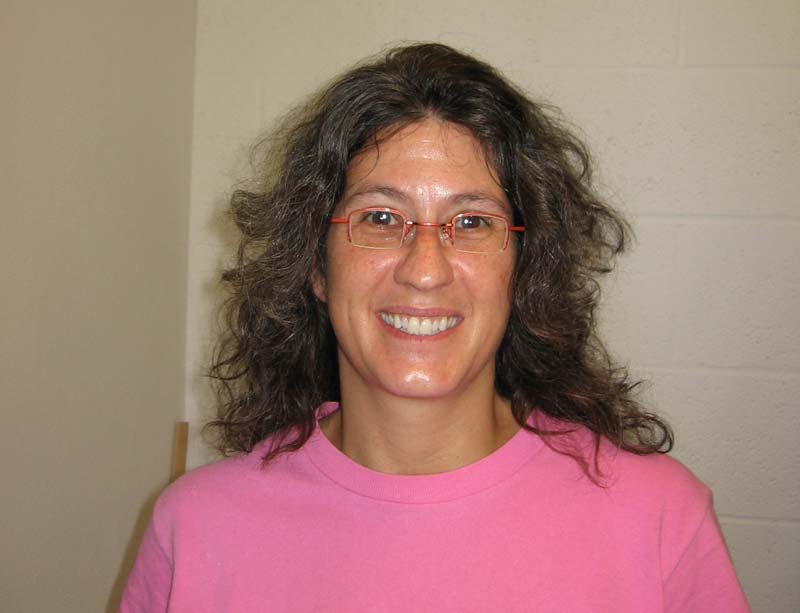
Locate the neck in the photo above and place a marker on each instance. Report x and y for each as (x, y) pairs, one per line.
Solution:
(413, 436)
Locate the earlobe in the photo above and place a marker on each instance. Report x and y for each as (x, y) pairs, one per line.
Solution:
(318, 285)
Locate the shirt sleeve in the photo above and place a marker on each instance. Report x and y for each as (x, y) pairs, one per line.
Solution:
(704, 580)
(150, 581)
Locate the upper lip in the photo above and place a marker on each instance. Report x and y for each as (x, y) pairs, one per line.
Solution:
(420, 311)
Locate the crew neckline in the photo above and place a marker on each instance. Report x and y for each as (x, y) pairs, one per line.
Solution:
(482, 474)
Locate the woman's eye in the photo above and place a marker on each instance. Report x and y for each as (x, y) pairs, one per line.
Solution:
(473, 222)
(380, 218)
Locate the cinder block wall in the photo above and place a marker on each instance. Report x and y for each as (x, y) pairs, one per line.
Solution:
(693, 113)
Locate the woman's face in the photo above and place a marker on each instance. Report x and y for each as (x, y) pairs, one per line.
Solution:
(430, 171)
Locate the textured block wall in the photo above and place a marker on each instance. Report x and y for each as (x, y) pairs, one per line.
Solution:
(693, 113)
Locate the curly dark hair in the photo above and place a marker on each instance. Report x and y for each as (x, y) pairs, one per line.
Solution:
(277, 361)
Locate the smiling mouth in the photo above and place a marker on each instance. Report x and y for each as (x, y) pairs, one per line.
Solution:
(419, 326)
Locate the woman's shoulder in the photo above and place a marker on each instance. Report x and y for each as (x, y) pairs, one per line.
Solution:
(651, 476)
(655, 483)
(656, 470)
(216, 486)
(651, 470)
(201, 486)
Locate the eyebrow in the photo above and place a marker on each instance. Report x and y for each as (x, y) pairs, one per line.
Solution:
(455, 199)
(469, 197)
(385, 190)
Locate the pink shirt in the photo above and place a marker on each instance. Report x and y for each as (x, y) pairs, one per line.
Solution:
(520, 530)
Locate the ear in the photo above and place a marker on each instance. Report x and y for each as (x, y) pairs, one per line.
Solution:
(318, 285)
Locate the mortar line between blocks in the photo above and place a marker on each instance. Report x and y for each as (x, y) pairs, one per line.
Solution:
(760, 521)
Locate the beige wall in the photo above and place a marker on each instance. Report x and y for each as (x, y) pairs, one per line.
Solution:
(693, 112)
(95, 146)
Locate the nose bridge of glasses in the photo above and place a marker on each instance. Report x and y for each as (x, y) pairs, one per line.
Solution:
(445, 229)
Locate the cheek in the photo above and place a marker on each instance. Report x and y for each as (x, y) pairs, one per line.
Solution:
(491, 281)
(353, 280)
(352, 267)
(339, 274)
(507, 275)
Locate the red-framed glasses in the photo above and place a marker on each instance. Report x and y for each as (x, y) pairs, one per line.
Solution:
(384, 228)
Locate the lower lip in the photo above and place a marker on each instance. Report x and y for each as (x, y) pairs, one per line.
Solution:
(418, 337)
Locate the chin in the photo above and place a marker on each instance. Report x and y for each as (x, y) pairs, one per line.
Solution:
(421, 386)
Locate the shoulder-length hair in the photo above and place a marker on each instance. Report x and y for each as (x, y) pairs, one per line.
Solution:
(277, 361)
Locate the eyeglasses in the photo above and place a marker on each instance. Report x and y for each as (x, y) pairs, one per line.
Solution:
(470, 232)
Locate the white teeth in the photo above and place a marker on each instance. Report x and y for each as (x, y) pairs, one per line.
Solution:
(419, 326)
(425, 327)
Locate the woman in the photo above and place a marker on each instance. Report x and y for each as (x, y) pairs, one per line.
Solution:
(423, 252)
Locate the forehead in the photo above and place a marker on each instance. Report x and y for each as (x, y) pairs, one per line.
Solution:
(423, 163)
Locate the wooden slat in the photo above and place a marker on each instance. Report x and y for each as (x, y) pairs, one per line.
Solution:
(179, 449)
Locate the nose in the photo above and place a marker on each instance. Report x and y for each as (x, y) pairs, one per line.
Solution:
(425, 264)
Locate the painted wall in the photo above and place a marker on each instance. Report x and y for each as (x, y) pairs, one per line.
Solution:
(96, 119)
(693, 112)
